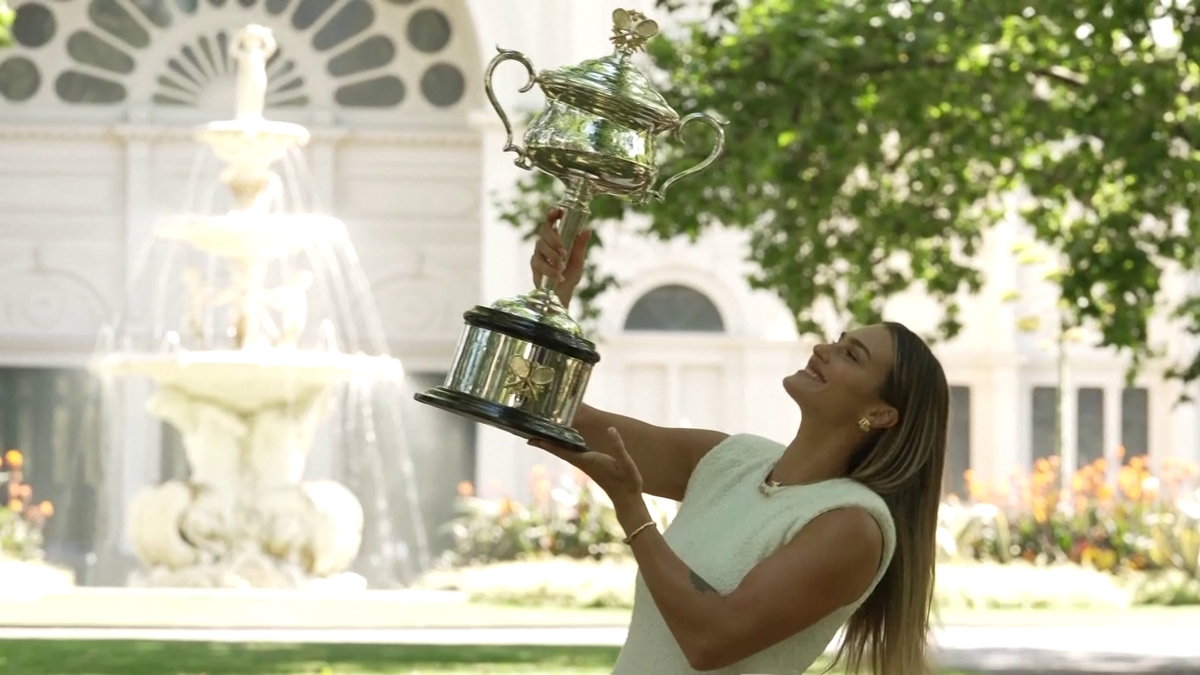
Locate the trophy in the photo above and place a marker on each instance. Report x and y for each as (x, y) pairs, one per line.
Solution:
(523, 364)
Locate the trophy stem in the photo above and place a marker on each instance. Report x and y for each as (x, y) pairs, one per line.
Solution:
(575, 219)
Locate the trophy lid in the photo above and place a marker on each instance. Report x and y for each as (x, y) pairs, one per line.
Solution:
(611, 86)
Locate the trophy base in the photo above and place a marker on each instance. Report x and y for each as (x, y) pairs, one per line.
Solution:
(512, 420)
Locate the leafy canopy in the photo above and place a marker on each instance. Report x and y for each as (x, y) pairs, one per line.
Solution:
(6, 19)
(867, 142)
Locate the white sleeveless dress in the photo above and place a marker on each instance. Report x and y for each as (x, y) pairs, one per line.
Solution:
(725, 526)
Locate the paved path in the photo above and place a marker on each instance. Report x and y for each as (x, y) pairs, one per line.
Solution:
(1016, 650)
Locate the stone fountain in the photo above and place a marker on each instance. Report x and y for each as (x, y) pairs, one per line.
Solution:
(246, 409)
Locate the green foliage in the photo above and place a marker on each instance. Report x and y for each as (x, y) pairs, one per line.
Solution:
(574, 519)
(571, 520)
(1128, 523)
(1136, 535)
(6, 18)
(21, 519)
(867, 143)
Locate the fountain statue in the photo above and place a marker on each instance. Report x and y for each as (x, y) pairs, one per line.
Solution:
(235, 382)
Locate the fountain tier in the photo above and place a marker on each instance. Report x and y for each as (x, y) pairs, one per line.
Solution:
(246, 381)
(247, 412)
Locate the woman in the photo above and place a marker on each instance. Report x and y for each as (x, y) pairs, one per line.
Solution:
(775, 548)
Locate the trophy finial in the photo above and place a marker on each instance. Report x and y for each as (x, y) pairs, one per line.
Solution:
(632, 30)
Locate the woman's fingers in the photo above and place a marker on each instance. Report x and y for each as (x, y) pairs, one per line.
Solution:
(579, 249)
(548, 261)
(549, 230)
(549, 255)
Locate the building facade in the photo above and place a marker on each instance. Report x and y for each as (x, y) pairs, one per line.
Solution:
(97, 102)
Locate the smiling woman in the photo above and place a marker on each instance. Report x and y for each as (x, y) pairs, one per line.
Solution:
(776, 547)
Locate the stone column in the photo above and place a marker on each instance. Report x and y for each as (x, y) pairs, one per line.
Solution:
(1000, 424)
(1112, 421)
(503, 461)
(134, 457)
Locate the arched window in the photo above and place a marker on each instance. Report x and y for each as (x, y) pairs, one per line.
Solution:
(675, 308)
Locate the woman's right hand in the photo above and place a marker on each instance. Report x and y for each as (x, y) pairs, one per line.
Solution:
(551, 259)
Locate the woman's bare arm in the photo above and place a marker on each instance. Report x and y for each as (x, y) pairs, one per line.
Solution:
(664, 456)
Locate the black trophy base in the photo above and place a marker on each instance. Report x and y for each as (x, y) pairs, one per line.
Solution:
(512, 420)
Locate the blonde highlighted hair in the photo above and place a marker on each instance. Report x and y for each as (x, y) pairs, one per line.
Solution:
(888, 634)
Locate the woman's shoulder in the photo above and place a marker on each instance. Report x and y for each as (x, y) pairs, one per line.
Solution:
(848, 493)
(744, 448)
(734, 458)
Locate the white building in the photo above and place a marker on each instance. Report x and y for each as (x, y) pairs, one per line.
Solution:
(97, 102)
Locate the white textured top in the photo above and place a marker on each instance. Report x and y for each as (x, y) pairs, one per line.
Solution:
(726, 526)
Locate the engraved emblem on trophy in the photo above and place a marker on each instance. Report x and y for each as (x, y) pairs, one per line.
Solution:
(523, 364)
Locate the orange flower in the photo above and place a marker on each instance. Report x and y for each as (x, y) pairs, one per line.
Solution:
(465, 489)
(541, 490)
(25, 491)
(15, 505)
(14, 459)
(46, 509)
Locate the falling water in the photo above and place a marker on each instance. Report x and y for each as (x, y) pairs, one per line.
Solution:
(365, 431)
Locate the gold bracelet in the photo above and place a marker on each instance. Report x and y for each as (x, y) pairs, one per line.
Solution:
(629, 539)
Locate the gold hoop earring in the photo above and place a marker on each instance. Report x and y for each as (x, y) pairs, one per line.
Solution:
(864, 425)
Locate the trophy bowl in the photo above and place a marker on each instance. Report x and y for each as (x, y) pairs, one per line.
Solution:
(523, 363)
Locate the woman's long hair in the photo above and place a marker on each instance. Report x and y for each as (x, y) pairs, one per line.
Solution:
(903, 464)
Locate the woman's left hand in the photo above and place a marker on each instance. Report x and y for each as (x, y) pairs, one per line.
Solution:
(610, 465)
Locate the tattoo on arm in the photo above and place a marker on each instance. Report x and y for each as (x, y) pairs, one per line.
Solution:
(700, 584)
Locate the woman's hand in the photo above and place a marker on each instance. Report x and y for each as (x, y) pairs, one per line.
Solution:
(610, 466)
(551, 259)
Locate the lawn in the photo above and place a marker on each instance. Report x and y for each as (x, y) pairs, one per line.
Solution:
(51, 657)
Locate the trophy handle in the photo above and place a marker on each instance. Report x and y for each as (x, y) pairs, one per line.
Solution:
(718, 148)
(522, 160)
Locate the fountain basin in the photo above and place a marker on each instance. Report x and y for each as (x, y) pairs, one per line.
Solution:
(248, 381)
(245, 236)
(252, 142)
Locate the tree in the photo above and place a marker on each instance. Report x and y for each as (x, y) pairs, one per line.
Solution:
(868, 142)
(1041, 315)
(6, 19)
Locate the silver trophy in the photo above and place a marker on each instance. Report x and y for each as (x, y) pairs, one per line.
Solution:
(522, 364)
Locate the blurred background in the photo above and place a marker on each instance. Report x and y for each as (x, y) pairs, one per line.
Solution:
(1015, 181)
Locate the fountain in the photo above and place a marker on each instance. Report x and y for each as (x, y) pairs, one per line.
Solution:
(247, 379)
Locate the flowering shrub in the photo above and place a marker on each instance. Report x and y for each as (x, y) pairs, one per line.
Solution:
(1111, 518)
(21, 519)
(1141, 530)
(574, 519)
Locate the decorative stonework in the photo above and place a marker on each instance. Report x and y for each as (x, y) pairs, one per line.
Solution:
(123, 132)
(177, 53)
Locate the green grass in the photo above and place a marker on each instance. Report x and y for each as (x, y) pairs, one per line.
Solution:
(115, 657)
(83, 657)
(487, 615)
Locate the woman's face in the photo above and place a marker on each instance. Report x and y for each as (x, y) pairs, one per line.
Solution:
(842, 380)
